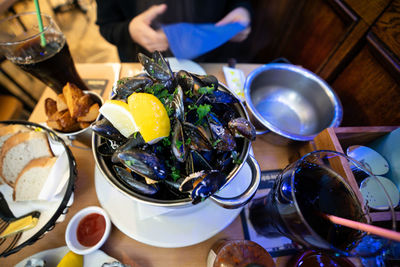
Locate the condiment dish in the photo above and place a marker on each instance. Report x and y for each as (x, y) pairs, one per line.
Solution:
(96, 230)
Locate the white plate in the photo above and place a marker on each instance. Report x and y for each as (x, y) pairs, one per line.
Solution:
(177, 228)
(54, 256)
(185, 64)
(372, 192)
(374, 161)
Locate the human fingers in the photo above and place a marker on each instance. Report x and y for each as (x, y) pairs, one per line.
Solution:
(239, 14)
(152, 12)
(158, 42)
(152, 41)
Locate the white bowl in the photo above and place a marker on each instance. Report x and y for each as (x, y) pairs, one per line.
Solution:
(71, 232)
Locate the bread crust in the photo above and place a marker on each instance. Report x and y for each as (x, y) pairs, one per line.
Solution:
(12, 128)
(17, 139)
(38, 162)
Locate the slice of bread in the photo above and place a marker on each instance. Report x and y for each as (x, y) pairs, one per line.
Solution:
(19, 150)
(6, 131)
(32, 178)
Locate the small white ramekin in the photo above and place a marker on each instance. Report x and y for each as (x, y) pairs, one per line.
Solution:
(71, 231)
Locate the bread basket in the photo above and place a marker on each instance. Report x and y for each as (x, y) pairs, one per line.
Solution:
(13, 243)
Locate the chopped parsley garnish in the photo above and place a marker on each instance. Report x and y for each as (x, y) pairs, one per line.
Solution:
(175, 173)
(215, 143)
(179, 144)
(235, 157)
(166, 141)
(202, 111)
(206, 90)
(188, 141)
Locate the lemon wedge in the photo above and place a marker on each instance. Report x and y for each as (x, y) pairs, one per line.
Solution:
(120, 116)
(71, 259)
(150, 116)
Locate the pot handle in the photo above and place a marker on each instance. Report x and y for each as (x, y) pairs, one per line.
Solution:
(247, 195)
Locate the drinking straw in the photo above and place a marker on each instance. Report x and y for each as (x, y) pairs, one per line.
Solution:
(39, 17)
(379, 231)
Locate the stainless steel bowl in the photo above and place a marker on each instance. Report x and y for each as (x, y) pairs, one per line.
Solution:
(291, 102)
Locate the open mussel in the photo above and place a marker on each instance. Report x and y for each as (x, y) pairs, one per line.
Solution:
(242, 128)
(143, 163)
(105, 129)
(128, 85)
(178, 145)
(156, 67)
(224, 140)
(135, 182)
(209, 183)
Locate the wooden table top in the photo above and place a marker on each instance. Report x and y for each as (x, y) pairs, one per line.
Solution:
(119, 245)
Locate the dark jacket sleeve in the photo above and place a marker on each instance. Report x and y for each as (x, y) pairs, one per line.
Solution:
(114, 26)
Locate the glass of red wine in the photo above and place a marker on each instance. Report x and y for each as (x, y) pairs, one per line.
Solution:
(325, 183)
(44, 54)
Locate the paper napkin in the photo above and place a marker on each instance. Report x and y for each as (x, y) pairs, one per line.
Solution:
(188, 41)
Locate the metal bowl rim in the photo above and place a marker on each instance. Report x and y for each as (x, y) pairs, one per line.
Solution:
(306, 73)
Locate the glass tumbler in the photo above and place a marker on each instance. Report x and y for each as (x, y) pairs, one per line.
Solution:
(44, 54)
(323, 183)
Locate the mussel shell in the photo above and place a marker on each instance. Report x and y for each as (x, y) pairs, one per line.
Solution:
(191, 181)
(197, 162)
(105, 148)
(178, 144)
(134, 182)
(226, 141)
(210, 184)
(198, 137)
(185, 80)
(105, 129)
(127, 86)
(242, 127)
(156, 70)
(143, 163)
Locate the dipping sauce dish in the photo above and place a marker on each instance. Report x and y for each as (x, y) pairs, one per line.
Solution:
(88, 230)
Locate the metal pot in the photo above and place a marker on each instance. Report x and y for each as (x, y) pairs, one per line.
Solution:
(229, 203)
(290, 103)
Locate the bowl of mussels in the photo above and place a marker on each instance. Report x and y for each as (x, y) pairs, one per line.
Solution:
(174, 139)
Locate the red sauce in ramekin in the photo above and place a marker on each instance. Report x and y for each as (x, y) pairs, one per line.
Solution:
(91, 229)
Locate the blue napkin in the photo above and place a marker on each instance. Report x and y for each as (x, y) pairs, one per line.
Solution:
(188, 41)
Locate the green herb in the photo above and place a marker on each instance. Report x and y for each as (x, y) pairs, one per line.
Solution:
(206, 90)
(215, 143)
(189, 93)
(166, 141)
(154, 89)
(175, 173)
(179, 144)
(169, 110)
(192, 106)
(188, 141)
(235, 157)
(202, 111)
(162, 94)
(134, 135)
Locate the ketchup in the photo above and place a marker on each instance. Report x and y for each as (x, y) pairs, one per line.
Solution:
(91, 229)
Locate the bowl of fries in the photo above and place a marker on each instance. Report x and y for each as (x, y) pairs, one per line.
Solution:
(72, 112)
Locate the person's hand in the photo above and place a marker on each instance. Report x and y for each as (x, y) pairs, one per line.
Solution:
(142, 33)
(241, 15)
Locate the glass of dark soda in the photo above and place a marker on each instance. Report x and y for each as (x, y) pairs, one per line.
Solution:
(323, 183)
(44, 54)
